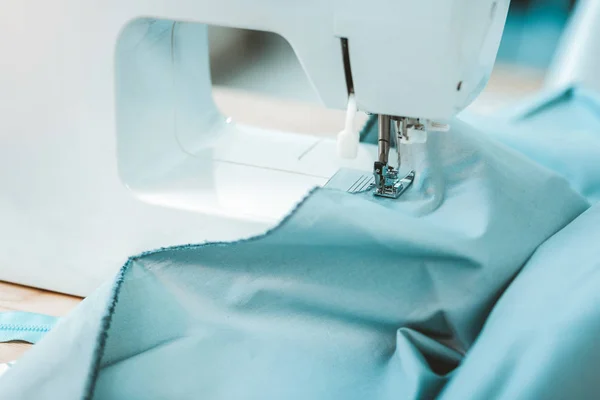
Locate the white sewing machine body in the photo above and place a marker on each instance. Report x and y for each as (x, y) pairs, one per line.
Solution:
(111, 143)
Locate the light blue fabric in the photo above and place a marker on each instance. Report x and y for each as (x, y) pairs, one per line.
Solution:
(24, 326)
(559, 130)
(351, 297)
(542, 339)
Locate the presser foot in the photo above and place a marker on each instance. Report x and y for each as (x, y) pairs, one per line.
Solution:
(388, 183)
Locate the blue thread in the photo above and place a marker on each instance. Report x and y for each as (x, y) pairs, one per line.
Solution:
(24, 326)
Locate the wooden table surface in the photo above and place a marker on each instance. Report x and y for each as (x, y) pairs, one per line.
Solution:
(21, 298)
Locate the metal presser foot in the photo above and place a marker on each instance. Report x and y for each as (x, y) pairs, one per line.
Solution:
(388, 183)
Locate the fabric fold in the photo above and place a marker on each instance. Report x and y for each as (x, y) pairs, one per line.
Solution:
(541, 340)
(350, 297)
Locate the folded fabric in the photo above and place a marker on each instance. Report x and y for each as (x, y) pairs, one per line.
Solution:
(351, 297)
(541, 340)
(559, 130)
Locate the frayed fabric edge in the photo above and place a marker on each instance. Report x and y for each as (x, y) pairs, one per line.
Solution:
(102, 337)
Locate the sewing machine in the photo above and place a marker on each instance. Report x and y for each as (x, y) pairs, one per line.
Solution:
(111, 143)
